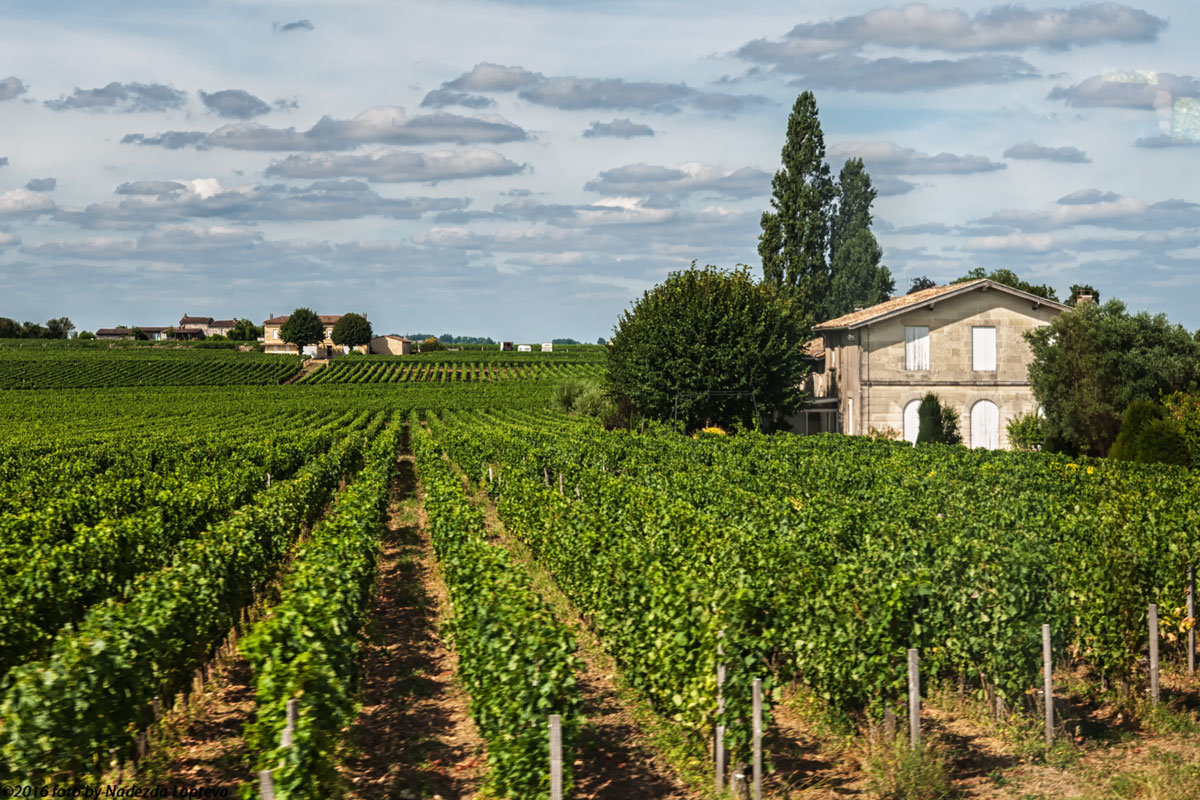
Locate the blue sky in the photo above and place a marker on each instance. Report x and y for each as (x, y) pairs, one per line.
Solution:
(524, 170)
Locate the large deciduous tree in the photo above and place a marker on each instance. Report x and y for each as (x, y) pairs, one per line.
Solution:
(856, 276)
(795, 232)
(1092, 362)
(352, 330)
(706, 338)
(1010, 278)
(302, 328)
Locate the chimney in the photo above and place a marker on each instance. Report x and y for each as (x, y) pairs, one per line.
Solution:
(1083, 297)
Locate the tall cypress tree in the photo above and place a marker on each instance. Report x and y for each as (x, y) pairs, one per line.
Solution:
(795, 232)
(856, 276)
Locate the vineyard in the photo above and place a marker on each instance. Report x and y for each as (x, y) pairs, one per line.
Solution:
(152, 538)
(63, 368)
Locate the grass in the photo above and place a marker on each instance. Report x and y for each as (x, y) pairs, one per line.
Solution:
(897, 771)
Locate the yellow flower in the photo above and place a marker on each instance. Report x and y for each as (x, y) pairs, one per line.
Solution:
(1091, 470)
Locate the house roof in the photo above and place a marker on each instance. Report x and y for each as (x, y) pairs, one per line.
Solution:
(901, 305)
(186, 320)
(222, 323)
(397, 338)
(326, 319)
(113, 332)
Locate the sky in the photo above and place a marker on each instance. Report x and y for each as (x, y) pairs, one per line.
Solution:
(525, 170)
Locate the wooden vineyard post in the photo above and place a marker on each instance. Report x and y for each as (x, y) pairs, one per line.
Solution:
(289, 730)
(758, 731)
(266, 785)
(1153, 653)
(914, 698)
(719, 739)
(1047, 685)
(560, 485)
(556, 757)
(546, 475)
(1191, 612)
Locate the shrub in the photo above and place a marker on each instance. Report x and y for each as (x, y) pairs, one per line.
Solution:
(1162, 442)
(1027, 431)
(1185, 410)
(567, 393)
(1138, 415)
(938, 423)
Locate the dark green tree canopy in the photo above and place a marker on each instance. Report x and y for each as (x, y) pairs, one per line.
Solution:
(857, 279)
(921, 283)
(1010, 278)
(795, 232)
(59, 328)
(245, 331)
(1092, 362)
(703, 331)
(352, 330)
(303, 327)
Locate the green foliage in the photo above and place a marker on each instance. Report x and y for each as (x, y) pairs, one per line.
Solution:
(1161, 442)
(93, 691)
(307, 647)
(302, 328)
(245, 331)
(1184, 409)
(59, 328)
(795, 232)
(430, 345)
(86, 335)
(515, 660)
(87, 365)
(704, 331)
(1091, 363)
(1135, 419)
(1026, 431)
(920, 284)
(352, 330)
(938, 423)
(1010, 278)
(857, 279)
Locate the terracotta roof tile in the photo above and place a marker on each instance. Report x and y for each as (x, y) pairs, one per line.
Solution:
(897, 304)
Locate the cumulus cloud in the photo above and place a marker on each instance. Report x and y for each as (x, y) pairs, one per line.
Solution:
(619, 129)
(288, 27)
(486, 77)
(3, 161)
(440, 98)
(172, 140)
(1031, 151)
(890, 185)
(379, 125)
(574, 94)
(9, 239)
(828, 55)
(147, 203)
(1008, 27)
(11, 87)
(122, 97)
(237, 103)
(1157, 142)
(1087, 197)
(397, 166)
(1013, 242)
(650, 179)
(887, 157)
(1123, 213)
(42, 184)
(25, 203)
(1132, 89)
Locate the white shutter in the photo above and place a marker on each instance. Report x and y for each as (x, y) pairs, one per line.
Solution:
(916, 347)
(850, 415)
(983, 349)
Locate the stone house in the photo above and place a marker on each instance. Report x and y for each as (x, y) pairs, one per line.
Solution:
(272, 343)
(207, 325)
(963, 342)
(391, 345)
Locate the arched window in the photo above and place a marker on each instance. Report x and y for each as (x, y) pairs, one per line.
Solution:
(912, 421)
(985, 425)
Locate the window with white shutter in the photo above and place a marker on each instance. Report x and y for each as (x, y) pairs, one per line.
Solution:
(983, 349)
(916, 347)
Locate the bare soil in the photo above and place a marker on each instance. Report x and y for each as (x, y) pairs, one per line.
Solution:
(414, 737)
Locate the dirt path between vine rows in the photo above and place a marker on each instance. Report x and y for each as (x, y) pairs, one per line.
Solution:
(414, 737)
(617, 759)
